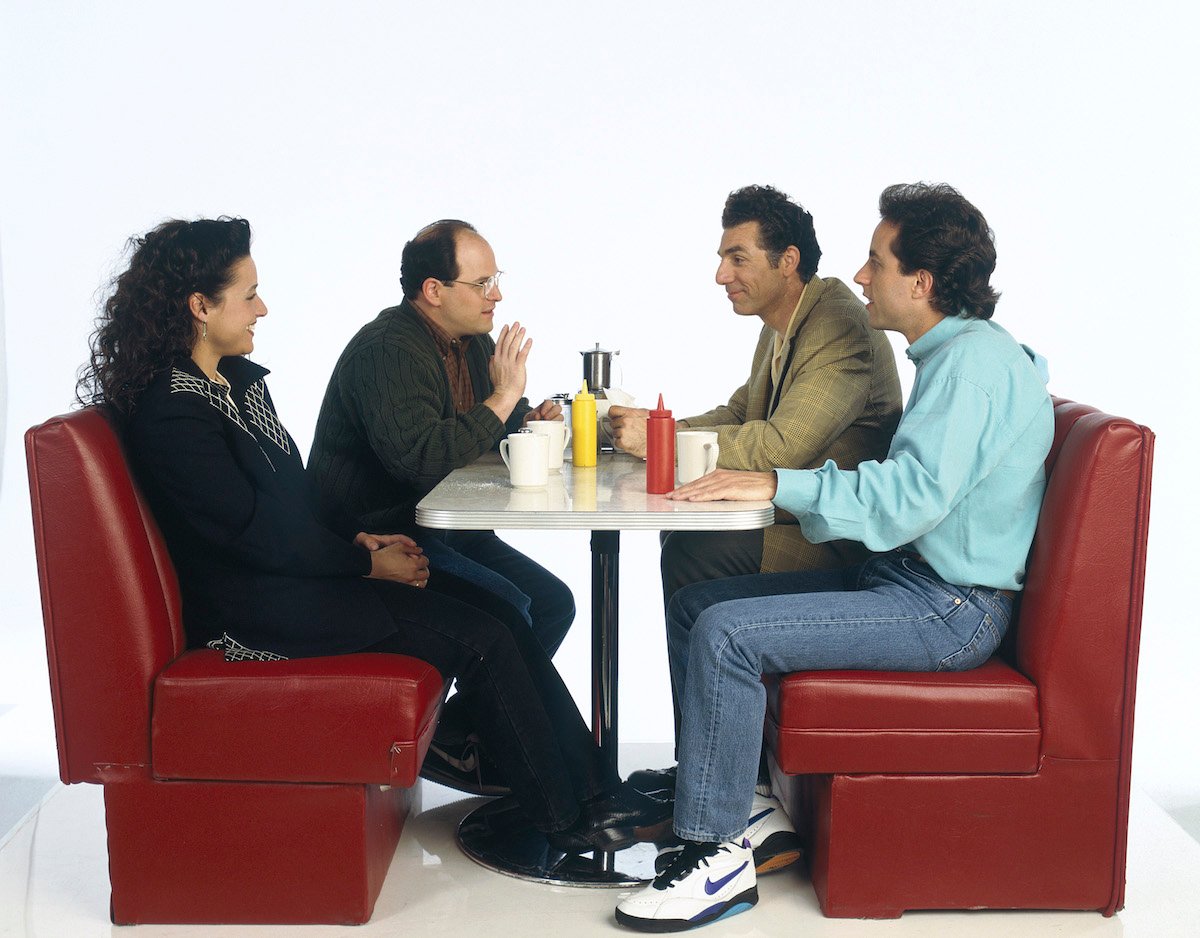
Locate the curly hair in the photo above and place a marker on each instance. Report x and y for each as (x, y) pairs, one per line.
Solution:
(145, 324)
(943, 233)
(431, 253)
(781, 224)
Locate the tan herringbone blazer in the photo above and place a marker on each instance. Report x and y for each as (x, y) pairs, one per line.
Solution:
(838, 398)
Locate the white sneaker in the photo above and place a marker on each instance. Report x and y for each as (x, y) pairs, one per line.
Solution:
(772, 838)
(702, 883)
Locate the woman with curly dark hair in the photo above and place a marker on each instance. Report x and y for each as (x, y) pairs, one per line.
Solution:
(135, 338)
(267, 572)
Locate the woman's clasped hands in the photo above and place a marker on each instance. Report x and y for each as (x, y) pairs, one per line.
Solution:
(395, 557)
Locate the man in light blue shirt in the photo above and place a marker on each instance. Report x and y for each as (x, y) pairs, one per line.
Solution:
(953, 508)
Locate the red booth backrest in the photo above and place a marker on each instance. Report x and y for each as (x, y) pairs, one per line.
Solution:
(110, 598)
(1080, 616)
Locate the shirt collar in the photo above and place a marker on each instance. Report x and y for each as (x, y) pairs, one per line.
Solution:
(445, 342)
(935, 338)
(807, 300)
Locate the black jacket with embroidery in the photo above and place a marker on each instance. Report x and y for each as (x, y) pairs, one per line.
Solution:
(259, 560)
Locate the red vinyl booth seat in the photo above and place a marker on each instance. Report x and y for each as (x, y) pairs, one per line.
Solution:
(1006, 786)
(234, 792)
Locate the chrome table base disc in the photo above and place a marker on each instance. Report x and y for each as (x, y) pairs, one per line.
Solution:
(500, 838)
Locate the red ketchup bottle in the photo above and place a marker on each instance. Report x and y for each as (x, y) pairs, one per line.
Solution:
(660, 451)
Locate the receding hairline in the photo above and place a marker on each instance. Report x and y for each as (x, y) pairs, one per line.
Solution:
(436, 228)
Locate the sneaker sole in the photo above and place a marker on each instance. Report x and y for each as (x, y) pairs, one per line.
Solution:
(742, 902)
(780, 850)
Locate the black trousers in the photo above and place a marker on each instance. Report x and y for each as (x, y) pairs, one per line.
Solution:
(524, 714)
(698, 556)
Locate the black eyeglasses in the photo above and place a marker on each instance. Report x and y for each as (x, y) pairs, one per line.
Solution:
(490, 285)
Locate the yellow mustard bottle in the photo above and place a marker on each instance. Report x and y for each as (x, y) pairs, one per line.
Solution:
(583, 428)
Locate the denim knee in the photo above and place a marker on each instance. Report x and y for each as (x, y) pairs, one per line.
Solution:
(714, 638)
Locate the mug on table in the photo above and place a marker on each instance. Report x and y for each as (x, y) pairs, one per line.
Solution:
(527, 455)
(697, 452)
(558, 434)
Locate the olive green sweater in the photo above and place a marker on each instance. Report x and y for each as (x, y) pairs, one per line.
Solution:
(387, 432)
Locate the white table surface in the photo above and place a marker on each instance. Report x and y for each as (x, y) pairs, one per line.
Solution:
(609, 497)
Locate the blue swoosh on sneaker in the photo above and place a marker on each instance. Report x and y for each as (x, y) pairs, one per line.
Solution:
(759, 816)
(710, 887)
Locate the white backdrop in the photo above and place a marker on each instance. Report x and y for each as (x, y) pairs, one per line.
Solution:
(594, 147)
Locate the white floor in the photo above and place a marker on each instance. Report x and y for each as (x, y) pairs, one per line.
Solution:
(54, 884)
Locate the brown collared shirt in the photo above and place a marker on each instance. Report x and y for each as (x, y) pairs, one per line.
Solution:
(454, 357)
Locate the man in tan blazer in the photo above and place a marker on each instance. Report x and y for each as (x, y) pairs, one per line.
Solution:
(822, 385)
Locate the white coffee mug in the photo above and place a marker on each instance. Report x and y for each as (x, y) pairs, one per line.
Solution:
(527, 455)
(558, 434)
(697, 451)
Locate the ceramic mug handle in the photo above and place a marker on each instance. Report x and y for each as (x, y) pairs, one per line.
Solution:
(711, 450)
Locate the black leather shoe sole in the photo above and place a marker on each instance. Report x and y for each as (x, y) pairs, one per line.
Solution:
(626, 816)
(607, 839)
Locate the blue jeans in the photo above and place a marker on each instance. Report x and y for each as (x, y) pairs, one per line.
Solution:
(479, 557)
(892, 613)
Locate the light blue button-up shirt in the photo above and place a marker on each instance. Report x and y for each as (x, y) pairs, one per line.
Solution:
(964, 478)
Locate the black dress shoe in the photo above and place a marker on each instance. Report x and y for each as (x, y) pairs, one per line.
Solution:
(653, 780)
(614, 821)
(464, 768)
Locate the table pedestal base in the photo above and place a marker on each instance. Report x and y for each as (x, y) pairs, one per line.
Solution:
(478, 497)
(499, 838)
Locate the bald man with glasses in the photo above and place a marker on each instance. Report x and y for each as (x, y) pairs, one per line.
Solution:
(422, 390)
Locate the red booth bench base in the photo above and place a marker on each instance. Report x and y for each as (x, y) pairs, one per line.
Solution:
(218, 852)
(878, 845)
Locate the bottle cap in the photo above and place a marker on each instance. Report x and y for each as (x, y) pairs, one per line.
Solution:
(583, 394)
(660, 411)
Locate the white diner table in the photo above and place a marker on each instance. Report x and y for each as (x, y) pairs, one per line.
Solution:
(606, 499)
